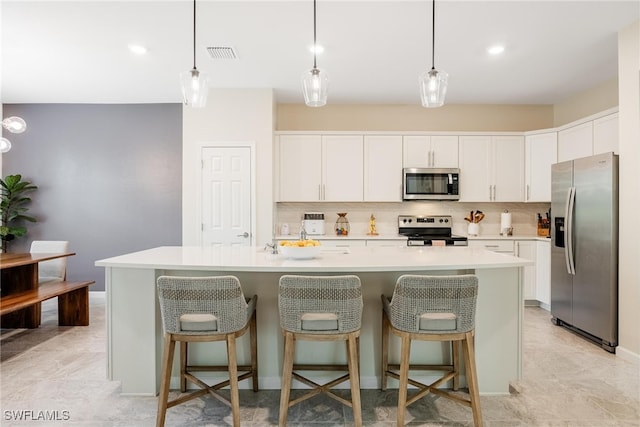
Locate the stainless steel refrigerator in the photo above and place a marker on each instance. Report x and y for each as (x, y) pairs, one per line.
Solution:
(584, 249)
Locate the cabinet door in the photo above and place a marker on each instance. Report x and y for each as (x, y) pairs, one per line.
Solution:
(575, 142)
(444, 151)
(383, 168)
(543, 273)
(475, 184)
(438, 151)
(342, 168)
(527, 249)
(300, 168)
(606, 134)
(541, 153)
(508, 168)
(416, 151)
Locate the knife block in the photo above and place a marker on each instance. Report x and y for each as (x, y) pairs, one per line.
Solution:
(543, 228)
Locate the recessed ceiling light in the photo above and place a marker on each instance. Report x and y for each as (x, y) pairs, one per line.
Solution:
(137, 49)
(496, 49)
(318, 49)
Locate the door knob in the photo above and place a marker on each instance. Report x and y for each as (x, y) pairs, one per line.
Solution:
(245, 235)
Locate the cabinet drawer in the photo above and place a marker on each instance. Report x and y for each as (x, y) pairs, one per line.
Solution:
(342, 243)
(493, 245)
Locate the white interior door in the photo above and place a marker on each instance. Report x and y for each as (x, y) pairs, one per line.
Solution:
(226, 196)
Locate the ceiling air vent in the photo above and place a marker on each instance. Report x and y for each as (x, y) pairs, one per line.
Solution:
(222, 52)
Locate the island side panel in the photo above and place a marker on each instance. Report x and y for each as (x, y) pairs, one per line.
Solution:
(134, 329)
(499, 329)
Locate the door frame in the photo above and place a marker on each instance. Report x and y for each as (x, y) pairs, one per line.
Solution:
(251, 145)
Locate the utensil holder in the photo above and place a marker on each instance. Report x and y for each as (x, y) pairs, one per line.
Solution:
(473, 229)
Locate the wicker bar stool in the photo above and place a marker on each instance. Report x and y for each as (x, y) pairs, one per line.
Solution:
(320, 308)
(205, 309)
(432, 308)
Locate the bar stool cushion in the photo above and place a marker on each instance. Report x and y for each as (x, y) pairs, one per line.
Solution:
(198, 322)
(319, 322)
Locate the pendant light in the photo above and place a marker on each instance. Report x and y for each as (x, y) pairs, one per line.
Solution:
(433, 83)
(195, 84)
(13, 124)
(315, 82)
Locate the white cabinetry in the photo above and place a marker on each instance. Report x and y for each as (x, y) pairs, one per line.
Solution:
(383, 168)
(527, 249)
(540, 153)
(491, 168)
(543, 273)
(316, 168)
(606, 134)
(575, 142)
(437, 151)
(342, 168)
(344, 243)
(300, 168)
(501, 246)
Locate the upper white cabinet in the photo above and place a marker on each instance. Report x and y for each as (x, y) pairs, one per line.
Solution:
(300, 168)
(491, 168)
(575, 142)
(383, 168)
(606, 134)
(315, 168)
(437, 151)
(540, 153)
(342, 168)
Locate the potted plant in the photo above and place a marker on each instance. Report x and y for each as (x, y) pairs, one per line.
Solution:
(12, 208)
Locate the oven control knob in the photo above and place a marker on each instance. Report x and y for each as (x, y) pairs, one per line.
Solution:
(446, 220)
(441, 220)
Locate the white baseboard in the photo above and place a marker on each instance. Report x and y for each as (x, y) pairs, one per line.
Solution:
(627, 355)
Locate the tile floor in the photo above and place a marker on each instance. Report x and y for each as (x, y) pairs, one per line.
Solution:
(59, 372)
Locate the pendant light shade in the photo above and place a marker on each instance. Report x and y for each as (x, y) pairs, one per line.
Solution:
(315, 82)
(194, 83)
(433, 83)
(433, 88)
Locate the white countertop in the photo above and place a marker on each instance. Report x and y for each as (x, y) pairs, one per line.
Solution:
(359, 259)
(401, 238)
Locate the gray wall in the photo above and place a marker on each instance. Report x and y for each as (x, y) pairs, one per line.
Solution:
(109, 178)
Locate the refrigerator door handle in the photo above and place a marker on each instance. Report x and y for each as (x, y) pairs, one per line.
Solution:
(568, 234)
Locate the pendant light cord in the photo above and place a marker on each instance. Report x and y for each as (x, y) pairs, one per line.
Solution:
(314, 34)
(194, 34)
(433, 35)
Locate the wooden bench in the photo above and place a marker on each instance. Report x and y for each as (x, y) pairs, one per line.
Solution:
(73, 303)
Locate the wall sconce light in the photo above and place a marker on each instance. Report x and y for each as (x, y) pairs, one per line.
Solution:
(13, 124)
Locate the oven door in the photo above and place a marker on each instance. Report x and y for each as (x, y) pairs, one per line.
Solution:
(430, 184)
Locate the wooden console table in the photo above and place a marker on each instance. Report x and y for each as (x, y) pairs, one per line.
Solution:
(20, 294)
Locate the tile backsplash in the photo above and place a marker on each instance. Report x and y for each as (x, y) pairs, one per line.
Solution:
(524, 215)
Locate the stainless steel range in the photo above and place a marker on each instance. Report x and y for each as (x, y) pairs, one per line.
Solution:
(429, 231)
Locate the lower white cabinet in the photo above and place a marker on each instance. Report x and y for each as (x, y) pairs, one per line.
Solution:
(527, 249)
(343, 243)
(543, 273)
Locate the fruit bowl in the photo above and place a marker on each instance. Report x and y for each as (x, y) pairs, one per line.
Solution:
(300, 249)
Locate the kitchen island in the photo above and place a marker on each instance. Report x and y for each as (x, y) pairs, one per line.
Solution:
(134, 325)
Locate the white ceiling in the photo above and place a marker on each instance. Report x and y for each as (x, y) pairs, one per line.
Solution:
(76, 51)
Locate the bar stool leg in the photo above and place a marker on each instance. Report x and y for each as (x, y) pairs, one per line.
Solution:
(233, 379)
(167, 363)
(404, 377)
(287, 371)
(455, 361)
(253, 332)
(472, 378)
(385, 350)
(354, 379)
(184, 356)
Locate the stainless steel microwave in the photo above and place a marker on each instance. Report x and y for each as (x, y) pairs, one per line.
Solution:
(430, 184)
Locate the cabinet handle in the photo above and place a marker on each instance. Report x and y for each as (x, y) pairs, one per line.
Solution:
(319, 192)
(433, 159)
(527, 192)
(324, 192)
